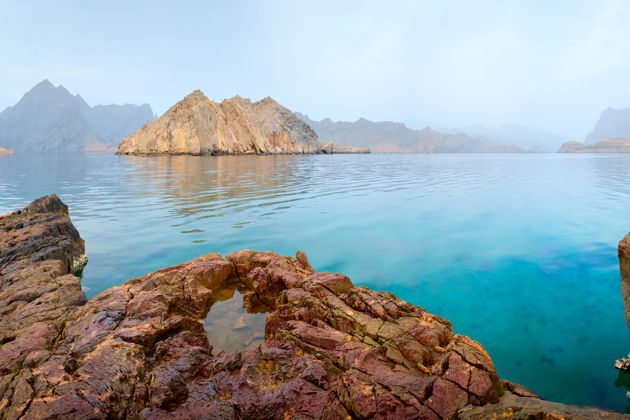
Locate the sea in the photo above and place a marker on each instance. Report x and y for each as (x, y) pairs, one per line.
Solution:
(518, 251)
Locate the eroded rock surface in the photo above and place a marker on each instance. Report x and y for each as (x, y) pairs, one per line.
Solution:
(332, 350)
(199, 126)
(624, 268)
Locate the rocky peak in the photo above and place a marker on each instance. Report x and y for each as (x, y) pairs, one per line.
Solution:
(233, 126)
(51, 119)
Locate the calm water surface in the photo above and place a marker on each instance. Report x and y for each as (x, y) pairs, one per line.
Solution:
(518, 251)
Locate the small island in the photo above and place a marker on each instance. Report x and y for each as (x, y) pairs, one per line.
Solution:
(606, 146)
(198, 126)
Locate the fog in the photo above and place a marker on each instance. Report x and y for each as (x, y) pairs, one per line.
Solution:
(550, 65)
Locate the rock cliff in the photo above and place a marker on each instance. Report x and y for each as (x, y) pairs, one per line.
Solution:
(612, 123)
(51, 119)
(624, 268)
(606, 146)
(199, 126)
(331, 350)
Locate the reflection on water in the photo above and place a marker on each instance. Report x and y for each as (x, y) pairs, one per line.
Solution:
(518, 251)
(231, 326)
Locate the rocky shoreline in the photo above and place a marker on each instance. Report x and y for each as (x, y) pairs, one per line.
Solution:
(331, 350)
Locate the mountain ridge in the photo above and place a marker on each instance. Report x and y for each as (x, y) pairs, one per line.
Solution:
(396, 137)
(51, 119)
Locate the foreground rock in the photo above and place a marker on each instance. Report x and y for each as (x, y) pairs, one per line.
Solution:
(606, 146)
(332, 350)
(199, 126)
(624, 268)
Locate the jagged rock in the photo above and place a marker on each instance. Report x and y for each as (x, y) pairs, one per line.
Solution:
(623, 251)
(606, 146)
(199, 126)
(51, 119)
(623, 364)
(612, 123)
(332, 350)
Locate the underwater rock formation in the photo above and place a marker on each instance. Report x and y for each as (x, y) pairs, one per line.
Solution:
(199, 126)
(332, 350)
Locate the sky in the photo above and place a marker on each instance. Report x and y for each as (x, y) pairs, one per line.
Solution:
(553, 65)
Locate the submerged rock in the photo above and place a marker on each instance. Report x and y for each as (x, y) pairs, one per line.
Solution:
(199, 126)
(331, 350)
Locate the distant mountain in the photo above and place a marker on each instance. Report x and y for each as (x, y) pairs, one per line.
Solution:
(392, 137)
(51, 119)
(527, 138)
(198, 126)
(612, 123)
(606, 146)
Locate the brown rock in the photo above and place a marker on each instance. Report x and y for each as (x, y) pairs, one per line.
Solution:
(199, 126)
(332, 350)
(624, 268)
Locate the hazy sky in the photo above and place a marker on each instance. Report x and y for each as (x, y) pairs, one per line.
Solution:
(554, 65)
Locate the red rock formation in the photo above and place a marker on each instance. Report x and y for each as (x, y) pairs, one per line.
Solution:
(332, 350)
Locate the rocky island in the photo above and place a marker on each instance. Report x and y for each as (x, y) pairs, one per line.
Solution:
(199, 126)
(606, 146)
(331, 350)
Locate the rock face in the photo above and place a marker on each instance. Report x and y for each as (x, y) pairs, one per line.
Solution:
(391, 137)
(607, 146)
(50, 119)
(199, 126)
(612, 123)
(332, 350)
(4, 151)
(624, 268)
(340, 148)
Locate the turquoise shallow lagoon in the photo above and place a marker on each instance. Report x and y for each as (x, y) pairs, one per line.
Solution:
(518, 251)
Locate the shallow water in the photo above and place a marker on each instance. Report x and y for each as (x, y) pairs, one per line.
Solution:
(518, 251)
(230, 326)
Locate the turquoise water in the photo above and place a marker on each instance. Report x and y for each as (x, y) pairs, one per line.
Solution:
(518, 251)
